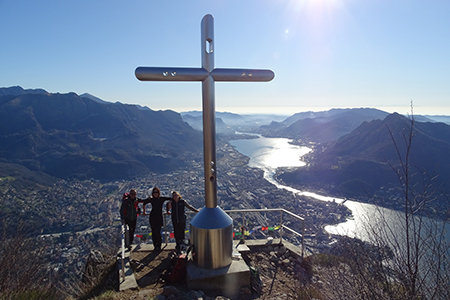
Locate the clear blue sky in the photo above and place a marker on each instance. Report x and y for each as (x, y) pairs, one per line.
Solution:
(325, 53)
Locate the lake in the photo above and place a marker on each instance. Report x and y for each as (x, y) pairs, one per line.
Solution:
(269, 154)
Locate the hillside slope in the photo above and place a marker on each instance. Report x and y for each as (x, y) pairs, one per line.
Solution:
(321, 127)
(65, 135)
(364, 162)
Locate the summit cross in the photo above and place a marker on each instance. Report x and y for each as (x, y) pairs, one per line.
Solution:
(207, 74)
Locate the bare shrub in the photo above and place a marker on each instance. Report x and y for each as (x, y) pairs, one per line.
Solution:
(23, 272)
(99, 276)
(409, 256)
(395, 254)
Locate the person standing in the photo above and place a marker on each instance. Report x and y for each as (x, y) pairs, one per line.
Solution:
(156, 216)
(175, 207)
(128, 214)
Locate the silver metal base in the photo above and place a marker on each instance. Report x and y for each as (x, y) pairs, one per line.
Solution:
(212, 238)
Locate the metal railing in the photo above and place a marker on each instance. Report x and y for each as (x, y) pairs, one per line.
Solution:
(281, 210)
(244, 211)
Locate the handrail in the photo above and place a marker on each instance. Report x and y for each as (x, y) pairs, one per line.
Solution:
(281, 210)
(243, 211)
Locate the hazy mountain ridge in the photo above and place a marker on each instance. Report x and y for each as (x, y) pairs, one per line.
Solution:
(320, 127)
(17, 90)
(196, 122)
(66, 135)
(92, 97)
(227, 122)
(361, 163)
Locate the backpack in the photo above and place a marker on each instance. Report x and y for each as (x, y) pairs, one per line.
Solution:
(125, 197)
(178, 271)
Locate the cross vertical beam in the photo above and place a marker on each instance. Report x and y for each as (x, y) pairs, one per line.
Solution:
(209, 119)
(207, 74)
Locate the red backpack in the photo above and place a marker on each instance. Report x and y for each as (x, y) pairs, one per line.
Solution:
(126, 195)
(178, 272)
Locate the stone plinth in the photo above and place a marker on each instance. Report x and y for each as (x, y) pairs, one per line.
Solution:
(228, 279)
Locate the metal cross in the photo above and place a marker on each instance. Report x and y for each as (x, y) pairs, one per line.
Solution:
(207, 74)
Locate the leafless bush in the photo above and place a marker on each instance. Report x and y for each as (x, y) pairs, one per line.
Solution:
(100, 274)
(410, 253)
(23, 272)
(396, 254)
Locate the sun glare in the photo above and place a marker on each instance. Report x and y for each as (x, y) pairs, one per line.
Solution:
(316, 14)
(316, 23)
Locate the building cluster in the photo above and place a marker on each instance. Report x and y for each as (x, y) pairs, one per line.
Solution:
(66, 253)
(240, 187)
(84, 215)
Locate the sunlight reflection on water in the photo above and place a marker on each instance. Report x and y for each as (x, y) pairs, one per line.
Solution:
(269, 154)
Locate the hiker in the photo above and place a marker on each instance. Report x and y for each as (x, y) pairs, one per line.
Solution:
(128, 213)
(156, 216)
(175, 207)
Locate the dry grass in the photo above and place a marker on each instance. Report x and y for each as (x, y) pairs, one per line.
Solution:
(23, 274)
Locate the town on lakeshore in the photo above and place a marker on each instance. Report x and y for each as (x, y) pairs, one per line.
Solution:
(239, 187)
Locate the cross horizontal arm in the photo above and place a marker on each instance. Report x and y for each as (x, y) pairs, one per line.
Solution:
(242, 75)
(200, 74)
(170, 74)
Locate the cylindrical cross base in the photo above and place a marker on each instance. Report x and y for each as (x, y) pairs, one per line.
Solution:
(212, 238)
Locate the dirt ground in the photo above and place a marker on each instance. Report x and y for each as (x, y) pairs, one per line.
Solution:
(277, 273)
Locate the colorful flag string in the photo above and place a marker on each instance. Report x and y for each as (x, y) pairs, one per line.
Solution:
(235, 233)
(263, 228)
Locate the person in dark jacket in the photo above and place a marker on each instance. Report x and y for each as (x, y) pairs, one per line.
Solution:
(156, 216)
(128, 214)
(175, 207)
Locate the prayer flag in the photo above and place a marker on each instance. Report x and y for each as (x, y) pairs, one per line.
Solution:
(172, 235)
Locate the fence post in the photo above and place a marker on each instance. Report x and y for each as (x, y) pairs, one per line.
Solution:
(303, 236)
(165, 229)
(243, 227)
(123, 251)
(281, 226)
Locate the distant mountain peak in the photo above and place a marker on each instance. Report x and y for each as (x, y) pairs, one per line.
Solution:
(18, 90)
(93, 98)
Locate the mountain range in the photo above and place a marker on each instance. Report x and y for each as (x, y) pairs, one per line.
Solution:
(227, 122)
(365, 161)
(72, 136)
(45, 136)
(321, 127)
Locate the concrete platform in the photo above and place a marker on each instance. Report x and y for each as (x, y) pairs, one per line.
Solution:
(229, 279)
(130, 283)
(127, 280)
(149, 247)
